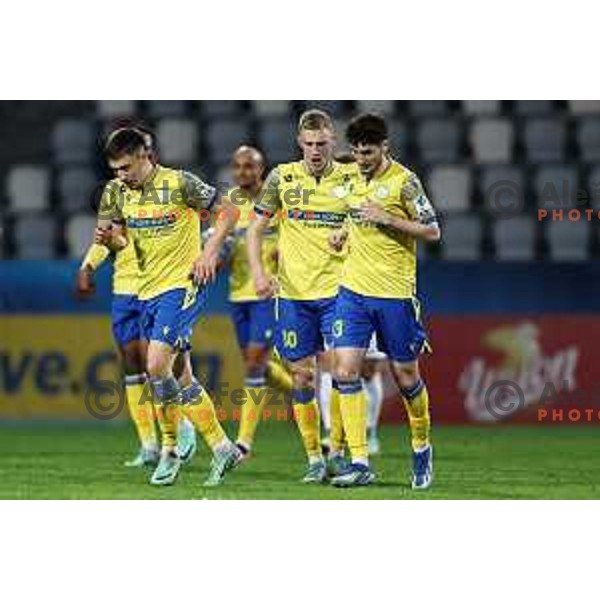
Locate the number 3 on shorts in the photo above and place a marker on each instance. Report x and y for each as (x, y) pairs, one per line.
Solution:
(190, 297)
(338, 327)
(290, 339)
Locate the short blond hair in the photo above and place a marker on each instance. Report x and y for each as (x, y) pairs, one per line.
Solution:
(315, 119)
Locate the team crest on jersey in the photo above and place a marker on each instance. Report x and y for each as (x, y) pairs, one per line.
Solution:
(288, 178)
(382, 191)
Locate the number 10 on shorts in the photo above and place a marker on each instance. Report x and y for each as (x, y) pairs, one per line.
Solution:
(290, 339)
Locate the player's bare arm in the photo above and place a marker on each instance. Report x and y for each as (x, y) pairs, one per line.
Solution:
(85, 287)
(112, 235)
(206, 265)
(265, 285)
(424, 226)
(110, 226)
(107, 238)
(200, 195)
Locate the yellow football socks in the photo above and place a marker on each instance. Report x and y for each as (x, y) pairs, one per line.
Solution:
(251, 411)
(167, 395)
(200, 410)
(337, 423)
(168, 419)
(278, 377)
(353, 408)
(416, 401)
(306, 414)
(142, 413)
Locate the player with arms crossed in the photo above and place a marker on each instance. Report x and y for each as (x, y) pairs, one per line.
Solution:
(253, 317)
(154, 208)
(307, 198)
(126, 313)
(388, 213)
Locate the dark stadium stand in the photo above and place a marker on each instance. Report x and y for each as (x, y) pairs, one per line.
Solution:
(545, 154)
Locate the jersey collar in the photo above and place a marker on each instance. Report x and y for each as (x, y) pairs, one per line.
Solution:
(383, 173)
(151, 176)
(324, 174)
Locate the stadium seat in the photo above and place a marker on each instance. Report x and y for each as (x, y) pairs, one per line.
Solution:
(439, 140)
(73, 141)
(449, 188)
(223, 178)
(278, 138)
(35, 236)
(502, 187)
(381, 107)
(530, 108)
(480, 108)
(568, 240)
(177, 141)
(492, 140)
(428, 108)
(219, 109)
(112, 109)
(270, 108)
(462, 236)
(545, 140)
(515, 238)
(336, 108)
(341, 124)
(79, 234)
(399, 138)
(28, 188)
(584, 107)
(76, 186)
(160, 109)
(556, 187)
(223, 137)
(588, 138)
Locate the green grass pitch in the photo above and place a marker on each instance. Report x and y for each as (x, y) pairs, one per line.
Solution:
(470, 462)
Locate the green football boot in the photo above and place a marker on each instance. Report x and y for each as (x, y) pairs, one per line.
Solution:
(222, 461)
(146, 457)
(167, 470)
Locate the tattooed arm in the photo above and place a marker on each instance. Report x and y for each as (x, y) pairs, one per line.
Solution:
(200, 195)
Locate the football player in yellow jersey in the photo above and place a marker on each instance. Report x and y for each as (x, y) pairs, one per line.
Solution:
(155, 209)
(388, 213)
(371, 375)
(126, 313)
(253, 317)
(307, 200)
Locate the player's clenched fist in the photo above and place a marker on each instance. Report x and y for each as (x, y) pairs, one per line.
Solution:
(337, 239)
(374, 212)
(103, 236)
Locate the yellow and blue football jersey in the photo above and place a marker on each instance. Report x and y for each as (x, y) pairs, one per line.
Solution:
(125, 272)
(306, 210)
(241, 282)
(381, 261)
(163, 226)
